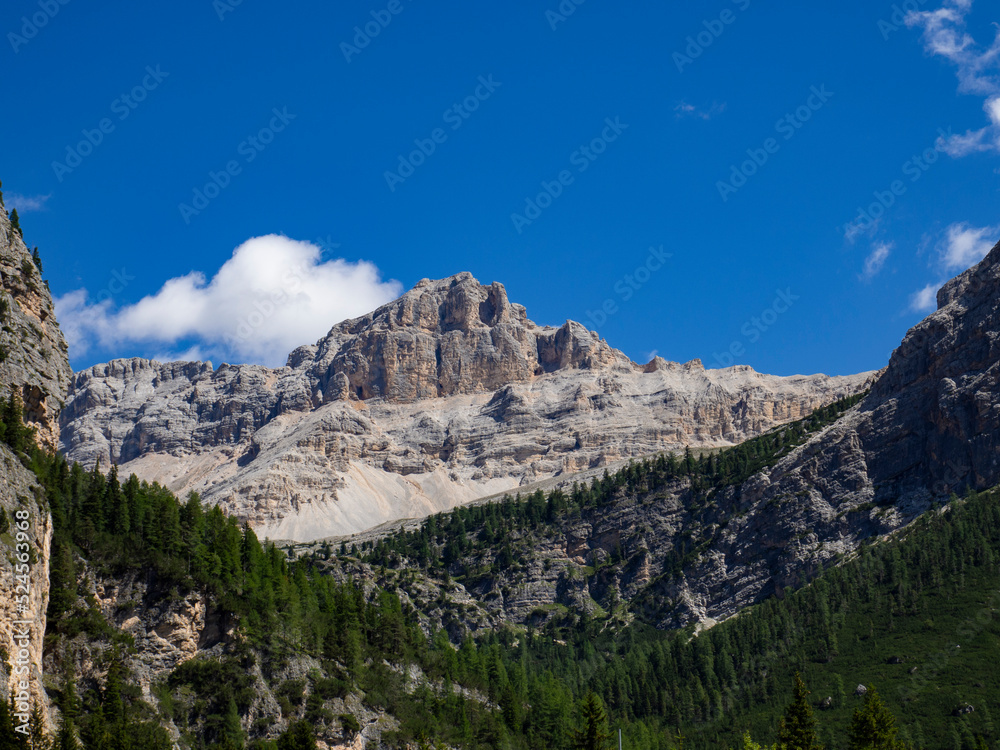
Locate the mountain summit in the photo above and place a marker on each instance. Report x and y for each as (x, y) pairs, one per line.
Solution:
(446, 395)
(444, 338)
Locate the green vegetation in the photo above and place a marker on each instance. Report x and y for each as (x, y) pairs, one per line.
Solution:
(915, 615)
(444, 542)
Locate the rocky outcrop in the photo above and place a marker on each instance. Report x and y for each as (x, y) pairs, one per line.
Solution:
(448, 394)
(33, 352)
(929, 428)
(25, 543)
(35, 368)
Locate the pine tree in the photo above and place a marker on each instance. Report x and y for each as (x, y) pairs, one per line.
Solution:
(69, 707)
(9, 739)
(37, 738)
(594, 734)
(15, 222)
(798, 727)
(873, 726)
(300, 736)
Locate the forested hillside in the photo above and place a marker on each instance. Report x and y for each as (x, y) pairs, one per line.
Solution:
(913, 615)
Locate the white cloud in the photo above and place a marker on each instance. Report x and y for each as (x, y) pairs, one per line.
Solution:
(26, 203)
(875, 260)
(964, 246)
(925, 300)
(272, 296)
(978, 69)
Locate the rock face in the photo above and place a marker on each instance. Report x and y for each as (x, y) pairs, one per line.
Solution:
(446, 395)
(24, 581)
(34, 366)
(929, 427)
(33, 359)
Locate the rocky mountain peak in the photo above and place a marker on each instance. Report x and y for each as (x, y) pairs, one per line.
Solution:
(443, 338)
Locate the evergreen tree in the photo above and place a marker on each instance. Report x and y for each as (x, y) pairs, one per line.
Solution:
(15, 222)
(594, 734)
(69, 707)
(873, 726)
(9, 739)
(37, 259)
(798, 727)
(37, 738)
(300, 736)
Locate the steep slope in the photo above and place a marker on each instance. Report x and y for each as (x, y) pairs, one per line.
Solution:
(33, 352)
(448, 394)
(34, 368)
(695, 542)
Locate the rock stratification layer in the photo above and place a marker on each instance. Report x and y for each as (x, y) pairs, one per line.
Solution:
(446, 395)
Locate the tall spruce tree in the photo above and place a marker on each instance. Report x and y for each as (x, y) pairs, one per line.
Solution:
(798, 727)
(873, 726)
(594, 733)
(15, 222)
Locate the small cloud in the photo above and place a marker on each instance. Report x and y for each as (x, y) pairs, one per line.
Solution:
(978, 69)
(875, 260)
(652, 355)
(964, 246)
(925, 300)
(26, 203)
(684, 109)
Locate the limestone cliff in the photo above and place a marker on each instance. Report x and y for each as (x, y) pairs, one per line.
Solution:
(25, 543)
(34, 366)
(448, 394)
(33, 352)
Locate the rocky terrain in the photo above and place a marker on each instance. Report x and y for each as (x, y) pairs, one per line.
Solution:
(35, 368)
(33, 352)
(930, 427)
(446, 395)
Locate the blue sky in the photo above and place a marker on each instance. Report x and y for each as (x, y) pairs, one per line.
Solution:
(707, 162)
